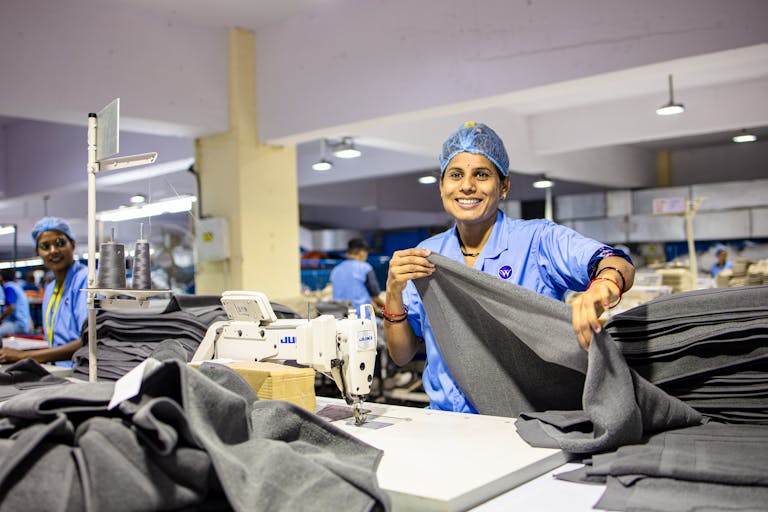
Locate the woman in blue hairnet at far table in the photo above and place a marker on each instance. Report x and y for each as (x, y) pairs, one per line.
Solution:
(64, 305)
(536, 254)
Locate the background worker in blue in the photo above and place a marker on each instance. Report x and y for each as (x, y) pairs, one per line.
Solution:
(536, 254)
(354, 279)
(722, 263)
(15, 318)
(64, 305)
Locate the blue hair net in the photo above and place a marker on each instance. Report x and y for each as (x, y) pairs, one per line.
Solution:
(475, 138)
(49, 224)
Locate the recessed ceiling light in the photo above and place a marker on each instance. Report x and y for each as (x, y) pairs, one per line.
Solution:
(138, 199)
(427, 180)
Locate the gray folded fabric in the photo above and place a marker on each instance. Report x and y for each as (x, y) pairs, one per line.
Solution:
(192, 439)
(706, 467)
(699, 345)
(25, 374)
(510, 348)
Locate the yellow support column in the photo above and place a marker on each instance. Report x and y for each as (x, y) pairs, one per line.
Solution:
(663, 169)
(254, 187)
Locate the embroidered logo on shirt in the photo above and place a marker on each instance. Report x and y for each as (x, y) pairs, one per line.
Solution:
(505, 272)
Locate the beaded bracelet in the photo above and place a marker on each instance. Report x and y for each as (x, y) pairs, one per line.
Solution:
(623, 279)
(394, 318)
(621, 292)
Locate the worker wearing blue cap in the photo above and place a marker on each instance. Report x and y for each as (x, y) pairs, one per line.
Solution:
(536, 254)
(722, 263)
(64, 304)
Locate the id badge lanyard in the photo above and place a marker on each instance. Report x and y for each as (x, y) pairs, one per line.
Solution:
(53, 308)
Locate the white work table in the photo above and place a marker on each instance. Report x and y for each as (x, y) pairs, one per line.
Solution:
(436, 460)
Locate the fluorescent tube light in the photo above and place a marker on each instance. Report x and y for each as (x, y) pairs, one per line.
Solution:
(175, 205)
(744, 137)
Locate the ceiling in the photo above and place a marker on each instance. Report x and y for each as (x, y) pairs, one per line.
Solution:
(589, 133)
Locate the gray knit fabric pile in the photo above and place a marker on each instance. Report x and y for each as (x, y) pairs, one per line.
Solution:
(191, 440)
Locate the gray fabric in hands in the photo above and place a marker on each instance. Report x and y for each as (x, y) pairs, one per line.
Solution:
(501, 343)
(511, 349)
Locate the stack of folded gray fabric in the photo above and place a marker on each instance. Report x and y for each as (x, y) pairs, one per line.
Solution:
(707, 467)
(126, 337)
(189, 440)
(708, 348)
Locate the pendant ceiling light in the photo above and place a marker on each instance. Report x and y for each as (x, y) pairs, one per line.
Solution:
(346, 149)
(670, 108)
(323, 164)
(543, 182)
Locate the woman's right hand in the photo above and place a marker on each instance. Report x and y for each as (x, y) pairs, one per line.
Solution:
(406, 265)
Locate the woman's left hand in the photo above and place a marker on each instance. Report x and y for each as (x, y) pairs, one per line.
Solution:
(11, 355)
(588, 307)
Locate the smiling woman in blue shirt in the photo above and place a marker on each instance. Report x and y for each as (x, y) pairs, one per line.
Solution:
(64, 305)
(536, 254)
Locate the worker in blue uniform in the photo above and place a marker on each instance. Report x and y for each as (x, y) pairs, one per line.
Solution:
(722, 263)
(536, 254)
(354, 279)
(15, 318)
(65, 308)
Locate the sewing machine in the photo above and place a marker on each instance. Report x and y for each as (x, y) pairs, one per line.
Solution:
(344, 349)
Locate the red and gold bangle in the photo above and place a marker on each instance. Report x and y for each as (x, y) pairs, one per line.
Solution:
(621, 292)
(623, 279)
(394, 318)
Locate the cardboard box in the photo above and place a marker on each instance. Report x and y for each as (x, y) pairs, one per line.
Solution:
(273, 381)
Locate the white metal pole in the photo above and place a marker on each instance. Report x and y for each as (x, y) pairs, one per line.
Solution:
(548, 204)
(92, 169)
(690, 210)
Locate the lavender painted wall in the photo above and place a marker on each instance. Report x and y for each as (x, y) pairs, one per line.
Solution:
(3, 157)
(47, 156)
(715, 164)
(61, 60)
